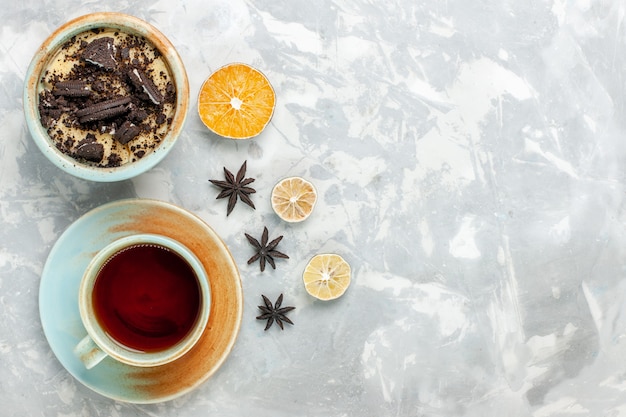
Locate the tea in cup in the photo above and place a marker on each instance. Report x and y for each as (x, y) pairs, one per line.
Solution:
(144, 301)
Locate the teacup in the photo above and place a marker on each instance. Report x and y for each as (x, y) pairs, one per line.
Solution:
(144, 301)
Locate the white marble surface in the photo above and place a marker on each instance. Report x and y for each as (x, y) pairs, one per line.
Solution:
(469, 159)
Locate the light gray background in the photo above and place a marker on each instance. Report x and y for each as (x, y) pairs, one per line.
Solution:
(469, 161)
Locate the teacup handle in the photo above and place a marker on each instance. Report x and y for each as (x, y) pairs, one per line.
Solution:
(89, 353)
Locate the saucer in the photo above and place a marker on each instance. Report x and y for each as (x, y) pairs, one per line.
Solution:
(58, 299)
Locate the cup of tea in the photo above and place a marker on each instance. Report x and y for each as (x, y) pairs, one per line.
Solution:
(144, 300)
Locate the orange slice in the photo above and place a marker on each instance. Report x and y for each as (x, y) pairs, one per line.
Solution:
(293, 199)
(236, 101)
(326, 276)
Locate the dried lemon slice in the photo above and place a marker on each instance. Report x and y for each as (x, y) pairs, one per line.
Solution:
(236, 101)
(293, 199)
(326, 276)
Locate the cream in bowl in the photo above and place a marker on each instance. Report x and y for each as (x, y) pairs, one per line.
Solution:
(106, 97)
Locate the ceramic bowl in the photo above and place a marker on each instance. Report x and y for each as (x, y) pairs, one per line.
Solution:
(33, 86)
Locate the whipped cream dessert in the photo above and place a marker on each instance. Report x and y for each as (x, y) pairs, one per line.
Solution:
(107, 98)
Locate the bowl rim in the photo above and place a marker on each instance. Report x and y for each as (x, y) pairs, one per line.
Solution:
(126, 23)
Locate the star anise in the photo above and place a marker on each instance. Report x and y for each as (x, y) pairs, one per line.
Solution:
(266, 252)
(274, 313)
(235, 187)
